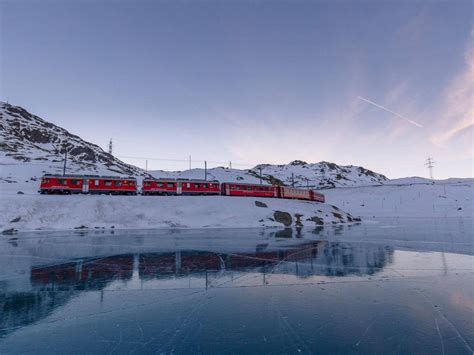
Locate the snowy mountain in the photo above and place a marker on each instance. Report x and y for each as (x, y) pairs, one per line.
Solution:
(298, 173)
(31, 145)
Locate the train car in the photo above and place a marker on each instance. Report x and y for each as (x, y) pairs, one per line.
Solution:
(159, 187)
(111, 185)
(180, 187)
(299, 194)
(57, 184)
(239, 189)
(294, 193)
(87, 184)
(316, 196)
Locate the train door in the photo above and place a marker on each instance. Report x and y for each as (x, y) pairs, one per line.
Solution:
(179, 188)
(85, 186)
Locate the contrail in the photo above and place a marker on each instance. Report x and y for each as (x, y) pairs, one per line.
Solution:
(386, 109)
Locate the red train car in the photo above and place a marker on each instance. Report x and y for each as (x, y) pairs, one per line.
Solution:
(88, 184)
(239, 189)
(299, 194)
(180, 187)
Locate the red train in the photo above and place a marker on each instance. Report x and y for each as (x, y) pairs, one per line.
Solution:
(92, 184)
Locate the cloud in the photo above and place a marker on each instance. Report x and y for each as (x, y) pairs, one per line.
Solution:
(457, 113)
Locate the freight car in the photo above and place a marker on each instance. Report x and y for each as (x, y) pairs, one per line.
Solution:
(88, 184)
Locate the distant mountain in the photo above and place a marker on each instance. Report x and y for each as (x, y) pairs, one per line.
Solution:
(31, 146)
(29, 140)
(297, 173)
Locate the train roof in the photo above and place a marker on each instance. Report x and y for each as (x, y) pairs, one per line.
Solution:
(247, 184)
(181, 180)
(88, 176)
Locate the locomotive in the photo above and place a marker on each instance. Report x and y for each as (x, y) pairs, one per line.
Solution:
(113, 185)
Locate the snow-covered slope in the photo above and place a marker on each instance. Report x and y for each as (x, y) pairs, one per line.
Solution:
(408, 197)
(30, 146)
(53, 212)
(297, 173)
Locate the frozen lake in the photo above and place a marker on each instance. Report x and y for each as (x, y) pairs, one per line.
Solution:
(396, 286)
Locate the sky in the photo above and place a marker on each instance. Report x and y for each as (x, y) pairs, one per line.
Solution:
(250, 81)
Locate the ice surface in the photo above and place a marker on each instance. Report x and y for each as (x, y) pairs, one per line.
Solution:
(399, 285)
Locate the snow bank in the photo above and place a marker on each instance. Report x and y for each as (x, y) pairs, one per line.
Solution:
(408, 197)
(55, 212)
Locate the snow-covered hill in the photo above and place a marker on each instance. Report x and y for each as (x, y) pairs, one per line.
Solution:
(298, 173)
(407, 197)
(30, 146)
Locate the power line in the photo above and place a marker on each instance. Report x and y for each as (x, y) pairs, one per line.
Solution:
(430, 165)
(181, 160)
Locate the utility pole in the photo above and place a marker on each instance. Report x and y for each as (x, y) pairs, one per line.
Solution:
(111, 147)
(65, 158)
(230, 165)
(430, 164)
(189, 162)
(146, 166)
(260, 169)
(205, 170)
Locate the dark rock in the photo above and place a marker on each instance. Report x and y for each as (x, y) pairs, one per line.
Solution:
(283, 217)
(459, 208)
(81, 227)
(260, 204)
(337, 215)
(15, 220)
(20, 193)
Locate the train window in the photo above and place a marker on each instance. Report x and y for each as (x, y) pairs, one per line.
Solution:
(249, 188)
(188, 185)
(108, 183)
(118, 183)
(75, 182)
(45, 181)
(160, 184)
(62, 182)
(96, 182)
(171, 184)
(197, 186)
(206, 186)
(146, 183)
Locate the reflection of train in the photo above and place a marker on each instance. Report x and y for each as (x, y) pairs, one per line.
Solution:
(92, 184)
(308, 259)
